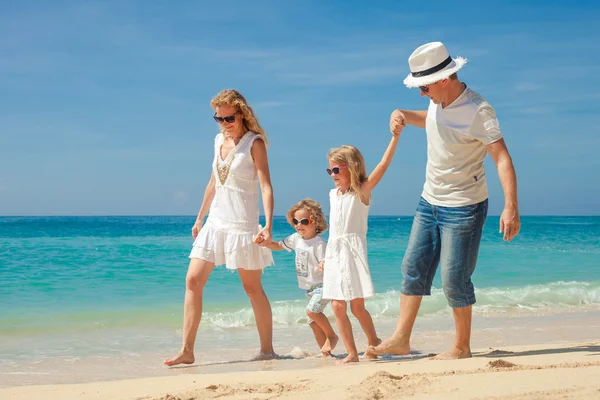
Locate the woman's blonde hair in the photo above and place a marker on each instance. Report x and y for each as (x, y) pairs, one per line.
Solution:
(351, 157)
(233, 98)
(315, 211)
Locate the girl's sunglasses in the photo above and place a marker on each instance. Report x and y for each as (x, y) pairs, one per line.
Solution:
(335, 170)
(303, 221)
(229, 119)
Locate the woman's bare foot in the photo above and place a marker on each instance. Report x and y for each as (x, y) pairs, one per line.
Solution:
(351, 358)
(183, 357)
(330, 344)
(390, 346)
(264, 356)
(453, 354)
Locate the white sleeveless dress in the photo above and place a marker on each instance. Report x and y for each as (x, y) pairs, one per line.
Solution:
(227, 236)
(346, 275)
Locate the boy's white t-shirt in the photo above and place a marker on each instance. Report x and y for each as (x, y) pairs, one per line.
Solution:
(457, 140)
(308, 255)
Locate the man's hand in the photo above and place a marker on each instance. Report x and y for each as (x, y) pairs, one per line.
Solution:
(510, 223)
(397, 122)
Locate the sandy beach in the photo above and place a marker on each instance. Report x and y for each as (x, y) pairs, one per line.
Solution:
(558, 371)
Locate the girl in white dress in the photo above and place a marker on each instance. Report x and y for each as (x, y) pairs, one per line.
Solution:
(346, 275)
(231, 234)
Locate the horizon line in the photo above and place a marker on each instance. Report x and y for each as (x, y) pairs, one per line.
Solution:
(262, 216)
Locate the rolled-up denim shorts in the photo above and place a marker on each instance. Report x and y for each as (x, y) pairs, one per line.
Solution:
(316, 303)
(450, 237)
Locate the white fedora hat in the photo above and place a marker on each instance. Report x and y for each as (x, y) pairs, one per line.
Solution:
(431, 63)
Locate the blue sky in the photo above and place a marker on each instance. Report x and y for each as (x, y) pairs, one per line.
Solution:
(104, 106)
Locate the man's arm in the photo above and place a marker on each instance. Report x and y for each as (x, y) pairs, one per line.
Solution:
(510, 222)
(400, 118)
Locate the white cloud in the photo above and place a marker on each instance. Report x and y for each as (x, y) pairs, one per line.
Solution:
(539, 110)
(269, 104)
(528, 87)
(180, 197)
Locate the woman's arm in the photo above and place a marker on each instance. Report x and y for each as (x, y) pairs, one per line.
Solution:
(259, 154)
(209, 195)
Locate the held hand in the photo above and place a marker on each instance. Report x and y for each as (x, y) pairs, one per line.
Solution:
(196, 229)
(263, 238)
(322, 266)
(510, 223)
(397, 122)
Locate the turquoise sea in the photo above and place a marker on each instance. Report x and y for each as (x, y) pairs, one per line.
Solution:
(78, 294)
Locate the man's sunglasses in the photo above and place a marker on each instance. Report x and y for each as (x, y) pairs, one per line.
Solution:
(335, 170)
(229, 119)
(424, 89)
(303, 221)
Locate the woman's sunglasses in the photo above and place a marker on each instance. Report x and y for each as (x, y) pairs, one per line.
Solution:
(303, 221)
(335, 170)
(229, 119)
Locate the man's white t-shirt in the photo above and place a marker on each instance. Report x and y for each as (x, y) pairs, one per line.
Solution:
(457, 140)
(308, 255)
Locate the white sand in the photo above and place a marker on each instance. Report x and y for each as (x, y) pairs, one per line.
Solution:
(565, 371)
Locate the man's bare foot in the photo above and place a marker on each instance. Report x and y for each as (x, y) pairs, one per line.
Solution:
(351, 358)
(453, 354)
(264, 357)
(330, 344)
(369, 355)
(183, 357)
(390, 346)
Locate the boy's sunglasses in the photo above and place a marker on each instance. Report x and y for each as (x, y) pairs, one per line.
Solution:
(335, 170)
(229, 119)
(303, 221)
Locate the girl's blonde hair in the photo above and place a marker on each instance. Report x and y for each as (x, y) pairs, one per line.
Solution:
(351, 157)
(233, 98)
(315, 211)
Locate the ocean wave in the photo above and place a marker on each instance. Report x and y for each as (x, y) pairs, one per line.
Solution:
(384, 307)
(555, 296)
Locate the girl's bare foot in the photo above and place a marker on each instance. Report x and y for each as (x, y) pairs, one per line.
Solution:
(391, 346)
(330, 344)
(351, 358)
(264, 356)
(183, 357)
(370, 355)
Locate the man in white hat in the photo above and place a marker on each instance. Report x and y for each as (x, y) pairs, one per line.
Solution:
(461, 130)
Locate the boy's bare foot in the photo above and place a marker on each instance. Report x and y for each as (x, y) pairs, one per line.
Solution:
(330, 344)
(390, 346)
(453, 354)
(264, 356)
(183, 357)
(349, 359)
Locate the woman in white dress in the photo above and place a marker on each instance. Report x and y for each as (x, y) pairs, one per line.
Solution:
(231, 234)
(347, 277)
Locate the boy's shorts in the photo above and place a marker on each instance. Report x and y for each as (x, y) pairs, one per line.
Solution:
(316, 303)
